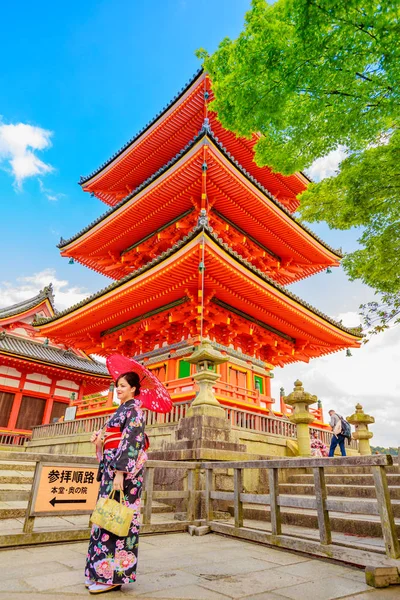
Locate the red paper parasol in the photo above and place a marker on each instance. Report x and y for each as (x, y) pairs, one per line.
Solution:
(153, 395)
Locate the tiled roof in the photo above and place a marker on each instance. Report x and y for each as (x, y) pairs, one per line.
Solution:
(147, 126)
(204, 132)
(21, 307)
(184, 347)
(164, 255)
(18, 346)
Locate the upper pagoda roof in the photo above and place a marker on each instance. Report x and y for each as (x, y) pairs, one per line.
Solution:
(176, 188)
(171, 130)
(115, 303)
(45, 298)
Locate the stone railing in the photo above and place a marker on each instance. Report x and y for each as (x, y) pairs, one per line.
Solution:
(68, 428)
(239, 419)
(244, 419)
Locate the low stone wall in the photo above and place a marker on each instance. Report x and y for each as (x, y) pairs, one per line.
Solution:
(160, 436)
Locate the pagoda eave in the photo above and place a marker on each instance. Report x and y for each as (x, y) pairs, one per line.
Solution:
(170, 131)
(270, 323)
(130, 234)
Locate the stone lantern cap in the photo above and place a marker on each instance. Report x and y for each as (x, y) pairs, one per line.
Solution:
(299, 395)
(360, 417)
(207, 353)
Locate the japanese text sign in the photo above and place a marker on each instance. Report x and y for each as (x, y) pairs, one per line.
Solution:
(64, 488)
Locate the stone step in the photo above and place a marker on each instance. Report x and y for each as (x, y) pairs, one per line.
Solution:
(12, 491)
(16, 477)
(13, 509)
(13, 465)
(394, 469)
(345, 479)
(349, 491)
(349, 524)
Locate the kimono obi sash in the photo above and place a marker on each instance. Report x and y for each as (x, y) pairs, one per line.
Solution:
(113, 436)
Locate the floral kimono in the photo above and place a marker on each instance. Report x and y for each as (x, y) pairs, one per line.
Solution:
(111, 559)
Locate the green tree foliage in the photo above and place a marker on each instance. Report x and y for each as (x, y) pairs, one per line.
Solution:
(382, 450)
(310, 75)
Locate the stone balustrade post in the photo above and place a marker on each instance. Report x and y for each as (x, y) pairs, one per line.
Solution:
(301, 400)
(361, 421)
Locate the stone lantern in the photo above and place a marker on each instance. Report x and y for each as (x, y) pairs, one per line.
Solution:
(206, 358)
(301, 400)
(361, 421)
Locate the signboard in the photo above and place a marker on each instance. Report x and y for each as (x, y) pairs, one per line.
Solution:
(70, 413)
(62, 489)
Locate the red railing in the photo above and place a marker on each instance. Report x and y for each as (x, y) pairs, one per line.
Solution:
(13, 438)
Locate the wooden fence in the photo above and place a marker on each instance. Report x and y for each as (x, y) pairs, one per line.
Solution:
(198, 494)
(321, 503)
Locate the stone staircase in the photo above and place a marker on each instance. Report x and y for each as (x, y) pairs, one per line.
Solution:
(350, 484)
(16, 480)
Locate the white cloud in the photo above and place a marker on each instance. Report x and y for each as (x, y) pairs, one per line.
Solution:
(328, 165)
(18, 144)
(50, 195)
(26, 287)
(369, 376)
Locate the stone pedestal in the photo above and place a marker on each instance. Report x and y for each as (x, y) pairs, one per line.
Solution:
(361, 421)
(301, 400)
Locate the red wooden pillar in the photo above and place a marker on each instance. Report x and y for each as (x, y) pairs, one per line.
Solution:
(12, 421)
(49, 404)
(110, 396)
(267, 382)
(224, 373)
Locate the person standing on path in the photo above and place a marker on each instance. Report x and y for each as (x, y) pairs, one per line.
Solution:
(111, 560)
(337, 437)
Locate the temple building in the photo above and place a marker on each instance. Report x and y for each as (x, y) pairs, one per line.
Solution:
(38, 377)
(200, 243)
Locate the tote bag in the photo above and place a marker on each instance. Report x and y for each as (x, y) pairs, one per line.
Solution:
(113, 516)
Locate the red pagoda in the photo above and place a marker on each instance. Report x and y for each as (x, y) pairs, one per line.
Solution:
(200, 243)
(38, 377)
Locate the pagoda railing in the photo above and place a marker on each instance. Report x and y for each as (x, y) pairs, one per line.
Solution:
(243, 419)
(239, 419)
(222, 390)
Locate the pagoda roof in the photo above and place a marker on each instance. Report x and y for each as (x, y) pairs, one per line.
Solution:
(25, 307)
(129, 221)
(132, 140)
(165, 135)
(13, 345)
(235, 283)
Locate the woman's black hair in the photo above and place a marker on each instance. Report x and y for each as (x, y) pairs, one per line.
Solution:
(132, 379)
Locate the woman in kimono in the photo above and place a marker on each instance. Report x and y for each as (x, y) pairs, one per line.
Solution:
(111, 560)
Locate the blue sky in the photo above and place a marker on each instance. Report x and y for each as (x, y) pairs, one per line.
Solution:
(78, 80)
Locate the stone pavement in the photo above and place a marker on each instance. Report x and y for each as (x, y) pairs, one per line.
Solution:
(177, 566)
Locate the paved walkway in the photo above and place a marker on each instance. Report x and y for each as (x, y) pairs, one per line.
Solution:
(178, 566)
